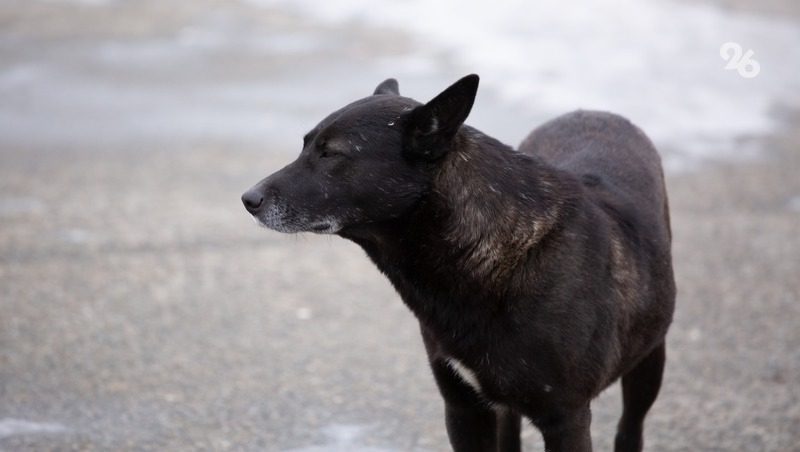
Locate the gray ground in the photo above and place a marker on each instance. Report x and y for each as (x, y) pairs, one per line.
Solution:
(140, 308)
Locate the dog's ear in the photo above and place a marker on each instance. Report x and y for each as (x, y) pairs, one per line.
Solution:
(430, 128)
(388, 86)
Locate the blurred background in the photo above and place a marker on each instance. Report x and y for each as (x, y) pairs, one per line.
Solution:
(141, 309)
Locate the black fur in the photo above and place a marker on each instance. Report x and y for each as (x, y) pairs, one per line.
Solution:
(544, 271)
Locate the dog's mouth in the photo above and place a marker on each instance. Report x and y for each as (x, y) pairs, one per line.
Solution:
(280, 220)
(274, 217)
(271, 223)
(321, 227)
(327, 226)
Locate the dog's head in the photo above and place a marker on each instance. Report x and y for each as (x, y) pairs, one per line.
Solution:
(369, 162)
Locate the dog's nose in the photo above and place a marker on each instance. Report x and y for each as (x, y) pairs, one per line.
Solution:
(252, 200)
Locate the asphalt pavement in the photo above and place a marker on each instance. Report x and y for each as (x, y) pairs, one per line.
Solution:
(141, 309)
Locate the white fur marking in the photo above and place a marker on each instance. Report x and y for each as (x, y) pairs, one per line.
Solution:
(465, 373)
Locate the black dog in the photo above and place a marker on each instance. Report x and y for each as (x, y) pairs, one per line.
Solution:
(538, 276)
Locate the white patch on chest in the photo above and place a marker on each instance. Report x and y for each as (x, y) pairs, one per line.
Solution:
(466, 374)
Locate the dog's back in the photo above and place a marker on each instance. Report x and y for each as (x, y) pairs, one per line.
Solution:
(608, 152)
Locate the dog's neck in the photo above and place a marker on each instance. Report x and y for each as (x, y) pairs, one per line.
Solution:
(488, 206)
(499, 204)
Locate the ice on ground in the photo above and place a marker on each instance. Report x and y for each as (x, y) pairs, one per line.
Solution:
(11, 427)
(656, 62)
(341, 438)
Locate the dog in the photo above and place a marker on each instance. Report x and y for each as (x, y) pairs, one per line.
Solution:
(539, 276)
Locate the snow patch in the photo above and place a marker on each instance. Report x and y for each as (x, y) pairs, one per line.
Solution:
(10, 427)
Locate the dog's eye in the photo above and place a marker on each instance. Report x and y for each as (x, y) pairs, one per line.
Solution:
(326, 153)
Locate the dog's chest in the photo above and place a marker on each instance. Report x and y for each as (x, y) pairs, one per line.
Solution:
(497, 387)
(469, 377)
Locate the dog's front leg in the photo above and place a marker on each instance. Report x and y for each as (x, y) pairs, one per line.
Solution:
(568, 432)
(471, 423)
(509, 425)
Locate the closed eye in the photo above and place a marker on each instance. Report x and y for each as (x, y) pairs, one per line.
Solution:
(329, 148)
(327, 153)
